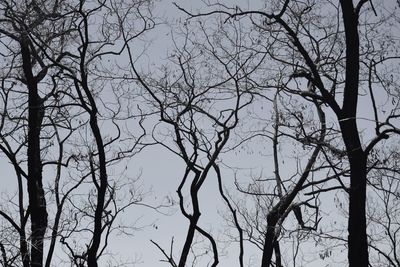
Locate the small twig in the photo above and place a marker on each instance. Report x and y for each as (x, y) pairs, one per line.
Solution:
(170, 260)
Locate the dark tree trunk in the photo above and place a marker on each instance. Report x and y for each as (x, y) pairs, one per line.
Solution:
(22, 234)
(189, 239)
(37, 202)
(357, 227)
(102, 186)
(24, 249)
(278, 259)
(270, 239)
(357, 240)
(89, 104)
(101, 194)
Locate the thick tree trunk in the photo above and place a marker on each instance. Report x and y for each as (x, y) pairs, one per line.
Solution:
(357, 240)
(357, 226)
(37, 202)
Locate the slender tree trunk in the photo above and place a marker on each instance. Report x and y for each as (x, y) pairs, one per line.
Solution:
(24, 249)
(37, 201)
(102, 187)
(91, 108)
(23, 244)
(278, 258)
(101, 193)
(270, 239)
(281, 207)
(54, 233)
(189, 240)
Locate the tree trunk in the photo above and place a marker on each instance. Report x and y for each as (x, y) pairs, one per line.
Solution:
(270, 239)
(358, 243)
(189, 239)
(357, 226)
(101, 193)
(37, 201)
(357, 240)
(278, 259)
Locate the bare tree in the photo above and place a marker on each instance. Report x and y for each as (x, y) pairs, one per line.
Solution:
(75, 103)
(199, 96)
(89, 77)
(51, 89)
(21, 20)
(333, 49)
